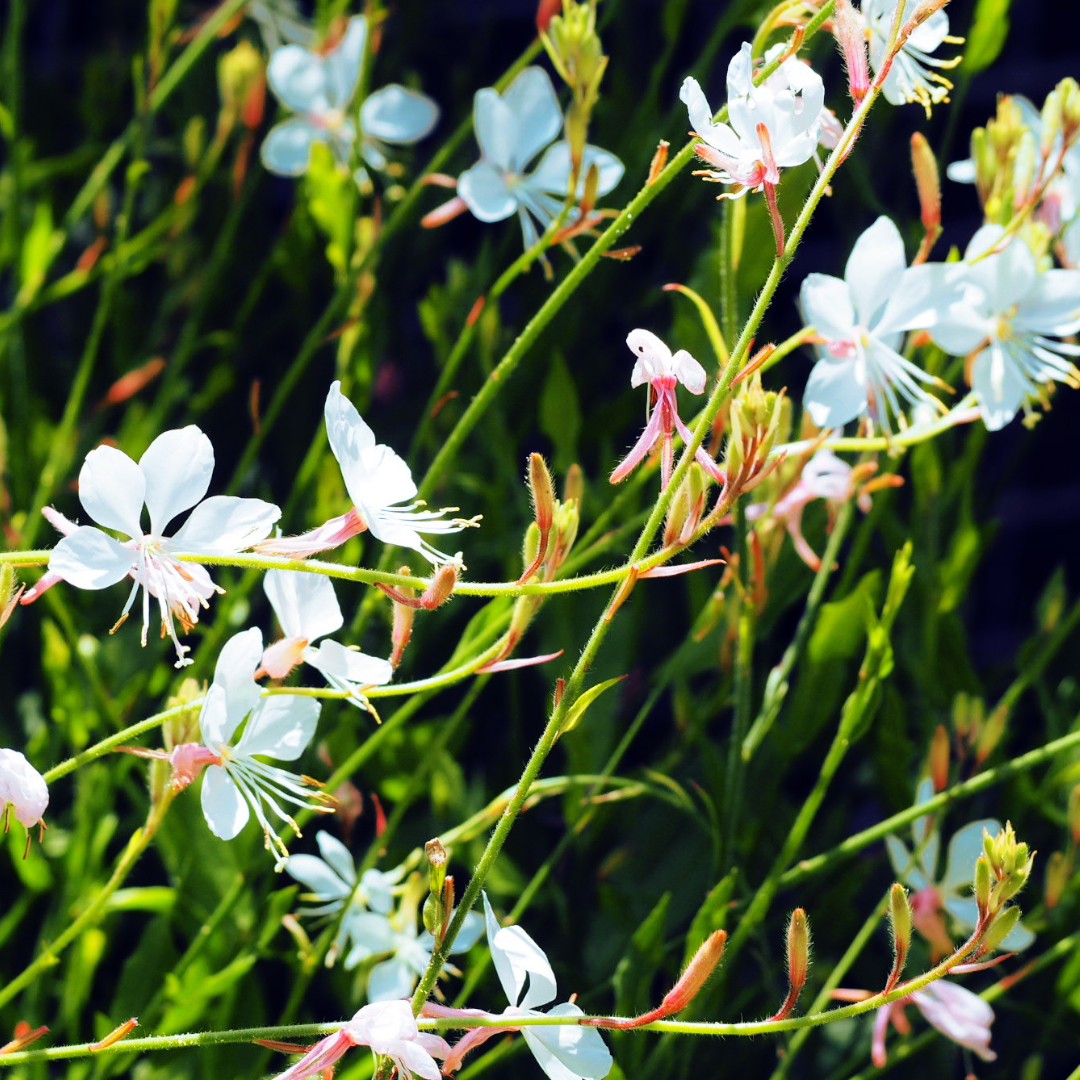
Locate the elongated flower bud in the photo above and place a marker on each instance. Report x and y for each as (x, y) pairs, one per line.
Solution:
(1002, 926)
(900, 925)
(927, 181)
(851, 36)
(701, 966)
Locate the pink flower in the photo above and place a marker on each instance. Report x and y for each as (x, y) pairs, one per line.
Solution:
(390, 1029)
(957, 1013)
(662, 371)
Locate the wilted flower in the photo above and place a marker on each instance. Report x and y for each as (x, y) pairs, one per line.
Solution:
(320, 88)
(307, 609)
(1004, 315)
(657, 366)
(910, 79)
(512, 128)
(862, 320)
(377, 480)
(239, 784)
(771, 127)
(390, 1029)
(562, 1052)
(22, 790)
(171, 477)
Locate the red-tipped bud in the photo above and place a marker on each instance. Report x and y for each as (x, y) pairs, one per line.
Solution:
(545, 12)
(659, 160)
(798, 949)
(441, 588)
(24, 1036)
(851, 37)
(117, 1033)
(701, 966)
(927, 181)
(939, 758)
(543, 492)
(402, 627)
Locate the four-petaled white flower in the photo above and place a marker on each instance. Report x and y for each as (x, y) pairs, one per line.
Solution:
(657, 366)
(1004, 316)
(171, 477)
(512, 128)
(910, 79)
(279, 727)
(957, 1013)
(377, 480)
(862, 320)
(22, 789)
(307, 609)
(333, 884)
(563, 1052)
(320, 88)
(390, 1029)
(771, 127)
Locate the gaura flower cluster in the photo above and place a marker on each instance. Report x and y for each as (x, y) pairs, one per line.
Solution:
(319, 88)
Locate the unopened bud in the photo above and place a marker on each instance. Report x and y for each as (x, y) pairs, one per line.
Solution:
(983, 884)
(543, 492)
(1074, 814)
(1068, 92)
(697, 972)
(900, 926)
(798, 949)
(684, 513)
(1002, 926)
(1057, 877)
(991, 732)
(401, 630)
(851, 36)
(436, 858)
(927, 181)
(545, 11)
(441, 588)
(433, 915)
(184, 727)
(241, 77)
(574, 486)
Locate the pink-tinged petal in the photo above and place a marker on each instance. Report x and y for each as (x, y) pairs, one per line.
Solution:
(111, 489)
(513, 665)
(827, 306)
(281, 657)
(682, 568)
(653, 431)
(63, 525)
(305, 604)
(43, 584)
(281, 727)
(89, 559)
(224, 525)
(330, 534)
(958, 1014)
(881, 1025)
(321, 1056)
(874, 269)
(177, 466)
(332, 658)
(223, 806)
(569, 1052)
(235, 675)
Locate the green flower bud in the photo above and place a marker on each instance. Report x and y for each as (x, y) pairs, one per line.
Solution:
(983, 883)
(1000, 929)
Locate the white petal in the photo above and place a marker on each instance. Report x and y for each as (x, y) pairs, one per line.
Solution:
(961, 172)
(520, 956)
(553, 172)
(390, 980)
(317, 876)
(235, 674)
(999, 386)
(826, 305)
(874, 269)
(964, 849)
(414, 1058)
(348, 434)
(111, 489)
(280, 727)
(334, 659)
(654, 357)
(89, 559)
(23, 787)
(569, 1052)
(224, 525)
(486, 192)
(688, 371)
(342, 64)
(223, 806)
(924, 295)
(305, 604)
(177, 466)
(835, 393)
(384, 481)
(298, 78)
(337, 855)
(472, 930)
(286, 150)
(396, 114)
(371, 934)
(536, 115)
(1053, 305)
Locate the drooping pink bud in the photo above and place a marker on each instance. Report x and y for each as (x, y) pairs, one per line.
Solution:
(851, 36)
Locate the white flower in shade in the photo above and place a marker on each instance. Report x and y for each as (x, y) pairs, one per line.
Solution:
(280, 727)
(770, 127)
(374, 934)
(564, 1052)
(957, 1013)
(911, 78)
(319, 88)
(862, 320)
(512, 128)
(22, 789)
(377, 481)
(390, 1029)
(307, 609)
(333, 884)
(1007, 317)
(171, 477)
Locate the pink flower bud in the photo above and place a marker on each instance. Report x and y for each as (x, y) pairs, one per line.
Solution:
(851, 36)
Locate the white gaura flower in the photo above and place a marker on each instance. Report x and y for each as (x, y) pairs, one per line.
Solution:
(564, 1052)
(306, 606)
(23, 791)
(390, 1029)
(1005, 319)
(319, 88)
(377, 481)
(911, 78)
(862, 320)
(171, 477)
(333, 884)
(280, 727)
(770, 127)
(512, 128)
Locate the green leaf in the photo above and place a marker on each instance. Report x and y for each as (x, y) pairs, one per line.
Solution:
(989, 30)
(560, 413)
(577, 711)
(635, 972)
(712, 915)
(841, 625)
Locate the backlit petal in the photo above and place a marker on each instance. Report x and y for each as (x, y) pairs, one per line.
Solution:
(177, 465)
(112, 489)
